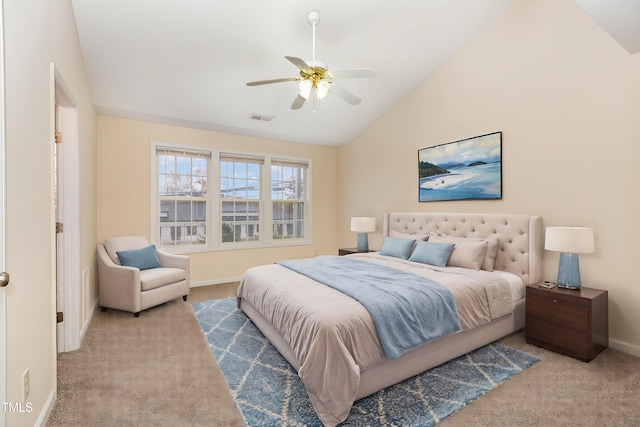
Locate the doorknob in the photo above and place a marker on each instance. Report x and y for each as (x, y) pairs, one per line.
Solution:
(4, 279)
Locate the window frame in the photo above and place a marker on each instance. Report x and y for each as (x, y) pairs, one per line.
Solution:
(289, 163)
(214, 202)
(164, 149)
(239, 159)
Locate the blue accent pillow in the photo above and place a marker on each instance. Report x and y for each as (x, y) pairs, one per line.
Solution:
(432, 253)
(396, 247)
(143, 259)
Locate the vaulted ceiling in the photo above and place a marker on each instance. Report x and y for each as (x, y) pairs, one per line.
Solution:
(187, 62)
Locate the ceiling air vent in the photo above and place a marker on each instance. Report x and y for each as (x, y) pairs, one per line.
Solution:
(261, 117)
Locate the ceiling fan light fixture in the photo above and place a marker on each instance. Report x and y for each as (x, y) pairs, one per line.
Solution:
(322, 89)
(305, 88)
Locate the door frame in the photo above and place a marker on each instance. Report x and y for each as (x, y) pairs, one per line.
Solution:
(2, 214)
(65, 115)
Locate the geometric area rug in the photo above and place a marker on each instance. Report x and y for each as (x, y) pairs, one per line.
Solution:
(268, 391)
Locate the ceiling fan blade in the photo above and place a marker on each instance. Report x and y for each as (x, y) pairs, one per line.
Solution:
(303, 66)
(345, 94)
(298, 102)
(352, 73)
(266, 82)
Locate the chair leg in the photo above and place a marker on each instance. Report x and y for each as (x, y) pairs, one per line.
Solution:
(184, 297)
(136, 314)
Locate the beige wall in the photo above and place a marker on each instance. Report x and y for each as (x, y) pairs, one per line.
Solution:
(562, 91)
(36, 33)
(124, 183)
(566, 97)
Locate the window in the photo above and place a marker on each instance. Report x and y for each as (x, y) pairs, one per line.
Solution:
(182, 194)
(208, 200)
(288, 198)
(240, 197)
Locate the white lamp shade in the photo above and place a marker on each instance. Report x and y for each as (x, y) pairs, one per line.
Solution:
(322, 89)
(363, 224)
(305, 88)
(578, 240)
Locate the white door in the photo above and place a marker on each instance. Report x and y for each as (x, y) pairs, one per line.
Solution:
(2, 249)
(70, 296)
(58, 197)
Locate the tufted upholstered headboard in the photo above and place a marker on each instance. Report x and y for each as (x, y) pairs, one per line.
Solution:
(520, 241)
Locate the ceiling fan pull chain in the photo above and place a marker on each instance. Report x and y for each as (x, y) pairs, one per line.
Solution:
(314, 100)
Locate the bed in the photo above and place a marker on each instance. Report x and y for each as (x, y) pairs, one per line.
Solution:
(331, 339)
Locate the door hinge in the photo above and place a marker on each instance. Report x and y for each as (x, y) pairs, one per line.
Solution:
(59, 317)
(58, 137)
(59, 227)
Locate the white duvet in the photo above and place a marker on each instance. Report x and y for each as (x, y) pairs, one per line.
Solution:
(334, 337)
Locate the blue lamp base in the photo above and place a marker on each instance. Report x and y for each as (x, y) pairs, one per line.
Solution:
(569, 271)
(363, 242)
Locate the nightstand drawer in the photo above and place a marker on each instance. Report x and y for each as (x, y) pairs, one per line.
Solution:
(558, 337)
(568, 321)
(556, 312)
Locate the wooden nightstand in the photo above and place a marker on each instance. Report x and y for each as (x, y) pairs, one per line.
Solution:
(348, 251)
(571, 322)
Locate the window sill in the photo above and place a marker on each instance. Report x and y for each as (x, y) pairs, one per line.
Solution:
(191, 249)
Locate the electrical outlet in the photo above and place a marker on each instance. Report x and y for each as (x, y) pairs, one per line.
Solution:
(26, 385)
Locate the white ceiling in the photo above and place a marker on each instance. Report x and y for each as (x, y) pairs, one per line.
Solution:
(187, 62)
(620, 18)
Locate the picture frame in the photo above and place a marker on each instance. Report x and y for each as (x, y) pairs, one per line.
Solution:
(468, 169)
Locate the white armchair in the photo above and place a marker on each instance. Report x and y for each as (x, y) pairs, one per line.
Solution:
(129, 288)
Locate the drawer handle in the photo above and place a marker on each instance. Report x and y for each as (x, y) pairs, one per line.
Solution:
(555, 300)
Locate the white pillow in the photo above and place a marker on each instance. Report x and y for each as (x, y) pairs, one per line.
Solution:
(492, 249)
(469, 252)
(399, 235)
(492, 252)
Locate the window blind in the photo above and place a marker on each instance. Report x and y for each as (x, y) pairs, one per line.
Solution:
(291, 163)
(242, 158)
(172, 151)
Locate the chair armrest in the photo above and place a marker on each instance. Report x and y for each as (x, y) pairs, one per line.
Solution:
(112, 274)
(173, 260)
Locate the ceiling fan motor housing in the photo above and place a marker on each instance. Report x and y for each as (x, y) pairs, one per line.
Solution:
(320, 71)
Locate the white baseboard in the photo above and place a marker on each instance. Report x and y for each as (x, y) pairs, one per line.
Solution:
(214, 282)
(624, 347)
(85, 327)
(46, 410)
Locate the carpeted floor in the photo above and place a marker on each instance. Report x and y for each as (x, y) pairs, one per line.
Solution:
(269, 392)
(157, 370)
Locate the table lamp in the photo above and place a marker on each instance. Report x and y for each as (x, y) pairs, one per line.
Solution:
(363, 225)
(569, 241)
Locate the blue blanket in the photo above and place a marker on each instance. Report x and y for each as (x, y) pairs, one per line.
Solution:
(407, 309)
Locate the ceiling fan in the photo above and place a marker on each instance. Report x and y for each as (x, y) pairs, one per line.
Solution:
(315, 78)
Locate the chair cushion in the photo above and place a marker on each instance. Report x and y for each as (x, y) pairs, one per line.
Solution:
(142, 259)
(158, 277)
(125, 243)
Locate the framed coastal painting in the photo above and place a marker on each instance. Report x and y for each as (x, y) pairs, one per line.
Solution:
(470, 169)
